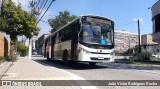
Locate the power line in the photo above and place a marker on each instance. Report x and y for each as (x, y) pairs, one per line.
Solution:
(44, 6)
(45, 11)
(44, 21)
(37, 3)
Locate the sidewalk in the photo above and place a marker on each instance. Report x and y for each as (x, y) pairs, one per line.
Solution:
(25, 69)
(4, 67)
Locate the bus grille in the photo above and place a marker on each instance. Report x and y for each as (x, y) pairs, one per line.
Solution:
(94, 58)
(98, 53)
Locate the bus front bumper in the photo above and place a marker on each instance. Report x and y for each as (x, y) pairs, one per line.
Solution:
(89, 57)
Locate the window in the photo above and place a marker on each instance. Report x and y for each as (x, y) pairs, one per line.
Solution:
(66, 34)
(156, 24)
(57, 38)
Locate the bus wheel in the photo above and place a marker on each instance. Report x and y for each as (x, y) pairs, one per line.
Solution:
(92, 63)
(65, 57)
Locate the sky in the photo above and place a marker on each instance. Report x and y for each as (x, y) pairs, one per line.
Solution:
(123, 12)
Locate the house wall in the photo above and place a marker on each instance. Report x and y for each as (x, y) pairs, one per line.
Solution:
(4, 46)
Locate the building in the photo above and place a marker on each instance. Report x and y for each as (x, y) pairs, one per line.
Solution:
(33, 42)
(156, 21)
(40, 43)
(4, 46)
(146, 39)
(152, 48)
(125, 40)
(148, 44)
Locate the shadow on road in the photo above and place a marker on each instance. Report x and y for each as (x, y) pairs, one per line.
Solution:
(123, 64)
(132, 66)
(73, 65)
(85, 66)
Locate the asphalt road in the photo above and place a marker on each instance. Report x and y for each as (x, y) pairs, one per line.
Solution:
(109, 71)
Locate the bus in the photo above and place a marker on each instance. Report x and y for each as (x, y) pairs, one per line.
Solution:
(88, 38)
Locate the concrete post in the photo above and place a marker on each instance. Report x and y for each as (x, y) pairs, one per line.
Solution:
(30, 49)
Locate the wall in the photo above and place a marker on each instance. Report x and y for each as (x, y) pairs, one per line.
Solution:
(155, 19)
(1, 45)
(155, 9)
(4, 46)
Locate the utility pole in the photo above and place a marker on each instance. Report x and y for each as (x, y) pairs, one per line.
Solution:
(1, 4)
(30, 45)
(139, 36)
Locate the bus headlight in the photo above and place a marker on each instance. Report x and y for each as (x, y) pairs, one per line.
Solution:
(81, 49)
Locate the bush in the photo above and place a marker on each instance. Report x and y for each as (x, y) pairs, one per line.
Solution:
(131, 59)
(22, 49)
(1, 58)
(9, 58)
(143, 56)
(12, 58)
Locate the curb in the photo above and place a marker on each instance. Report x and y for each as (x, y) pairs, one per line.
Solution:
(5, 69)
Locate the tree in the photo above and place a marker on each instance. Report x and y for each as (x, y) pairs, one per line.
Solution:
(22, 49)
(35, 11)
(15, 21)
(133, 50)
(60, 20)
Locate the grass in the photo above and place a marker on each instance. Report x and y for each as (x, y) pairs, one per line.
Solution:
(10, 58)
(143, 63)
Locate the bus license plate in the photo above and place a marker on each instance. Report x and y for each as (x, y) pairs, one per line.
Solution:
(99, 57)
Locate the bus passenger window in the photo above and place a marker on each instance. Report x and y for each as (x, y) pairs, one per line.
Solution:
(57, 38)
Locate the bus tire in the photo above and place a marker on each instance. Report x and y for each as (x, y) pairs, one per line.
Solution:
(65, 57)
(92, 63)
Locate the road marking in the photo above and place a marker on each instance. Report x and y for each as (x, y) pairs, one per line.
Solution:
(75, 77)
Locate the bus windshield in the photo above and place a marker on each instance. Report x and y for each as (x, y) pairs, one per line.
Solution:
(101, 34)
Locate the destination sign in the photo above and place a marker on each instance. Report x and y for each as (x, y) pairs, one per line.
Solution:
(98, 20)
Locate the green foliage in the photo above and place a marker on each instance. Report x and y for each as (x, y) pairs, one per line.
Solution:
(143, 56)
(9, 58)
(1, 58)
(14, 21)
(133, 50)
(22, 49)
(60, 20)
(12, 58)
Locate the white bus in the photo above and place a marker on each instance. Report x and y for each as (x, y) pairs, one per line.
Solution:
(87, 38)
